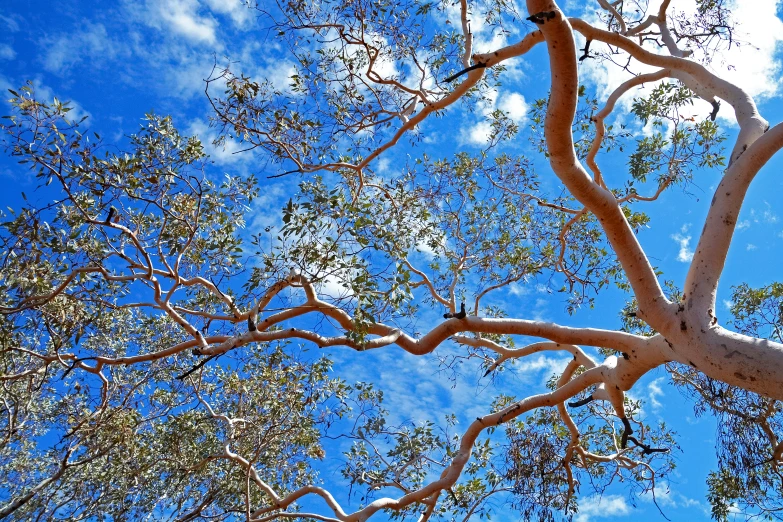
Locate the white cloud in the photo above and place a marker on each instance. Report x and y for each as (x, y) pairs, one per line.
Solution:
(754, 69)
(186, 76)
(727, 304)
(265, 209)
(10, 22)
(750, 247)
(515, 106)
(665, 496)
(765, 217)
(425, 250)
(333, 288)
(479, 133)
(431, 138)
(383, 166)
(539, 310)
(596, 506)
(685, 253)
(180, 16)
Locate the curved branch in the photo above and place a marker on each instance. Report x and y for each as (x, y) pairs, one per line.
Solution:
(701, 283)
(696, 77)
(558, 133)
(452, 473)
(607, 109)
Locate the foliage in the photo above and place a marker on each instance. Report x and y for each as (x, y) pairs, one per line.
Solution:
(151, 356)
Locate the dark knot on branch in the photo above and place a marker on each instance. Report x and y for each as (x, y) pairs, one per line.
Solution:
(542, 17)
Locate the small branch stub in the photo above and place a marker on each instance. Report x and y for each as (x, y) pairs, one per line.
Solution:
(464, 71)
(459, 315)
(542, 17)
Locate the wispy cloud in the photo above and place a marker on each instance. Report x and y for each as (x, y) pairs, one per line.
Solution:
(665, 496)
(237, 10)
(182, 17)
(91, 43)
(765, 216)
(7, 52)
(654, 391)
(11, 23)
(540, 367)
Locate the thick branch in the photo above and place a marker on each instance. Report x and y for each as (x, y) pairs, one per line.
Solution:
(560, 145)
(710, 257)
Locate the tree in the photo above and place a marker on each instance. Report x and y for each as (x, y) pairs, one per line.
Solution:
(149, 359)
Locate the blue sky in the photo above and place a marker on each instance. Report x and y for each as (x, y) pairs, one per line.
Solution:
(118, 60)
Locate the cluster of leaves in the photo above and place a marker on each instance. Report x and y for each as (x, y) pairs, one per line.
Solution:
(691, 145)
(759, 311)
(583, 126)
(129, 440)
(156, 189)
(360, 69)
(141, 443)
(539, 457)
(709, 31)
(749, 426)
(534, 456)
(402, 458)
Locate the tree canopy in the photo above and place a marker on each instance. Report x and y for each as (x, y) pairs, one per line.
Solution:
(157, 351)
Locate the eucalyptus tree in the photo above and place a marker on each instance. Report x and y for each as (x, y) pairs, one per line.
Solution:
(150, 345)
